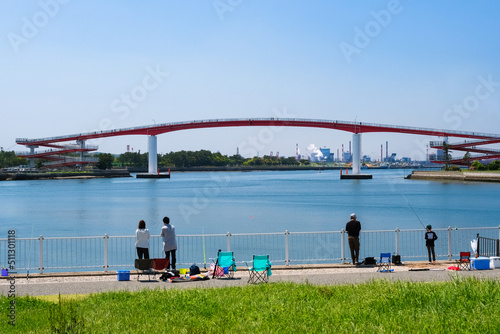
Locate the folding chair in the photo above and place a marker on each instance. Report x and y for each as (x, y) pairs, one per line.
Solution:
(260, 270)
(385, 262)
(463, 262)
(160, 264)
(144, 267)
(225, 265)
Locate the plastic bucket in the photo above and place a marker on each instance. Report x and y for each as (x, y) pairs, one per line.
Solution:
(183, 271)
(123, 275)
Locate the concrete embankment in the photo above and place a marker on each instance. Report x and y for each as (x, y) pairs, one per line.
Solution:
(62, 175)
(455, 176)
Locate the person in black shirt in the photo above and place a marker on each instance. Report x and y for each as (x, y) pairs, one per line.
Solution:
(353, 227)
(430, 236)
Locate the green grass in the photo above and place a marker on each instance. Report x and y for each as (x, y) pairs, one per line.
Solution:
(459, 306)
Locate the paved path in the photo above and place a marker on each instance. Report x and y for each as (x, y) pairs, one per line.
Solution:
(78, 283)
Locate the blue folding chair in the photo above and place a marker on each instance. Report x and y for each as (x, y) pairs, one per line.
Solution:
(225, 267)
(384, 264)
(260, 270)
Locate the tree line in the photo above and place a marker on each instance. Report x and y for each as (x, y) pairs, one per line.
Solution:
(199, 158)
(10, 159)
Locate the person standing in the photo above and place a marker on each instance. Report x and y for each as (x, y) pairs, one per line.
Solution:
(142, 236)
(169, 242)
(430, 236)
(353, 227)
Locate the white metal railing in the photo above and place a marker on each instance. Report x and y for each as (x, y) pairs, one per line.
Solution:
(113, 252)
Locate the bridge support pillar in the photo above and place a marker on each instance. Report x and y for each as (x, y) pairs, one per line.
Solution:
(82, 155)
(32, 152)
(356, 160)
(152, 155)
(356, 153)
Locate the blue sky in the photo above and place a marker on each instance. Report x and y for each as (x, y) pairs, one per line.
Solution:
(77, 66)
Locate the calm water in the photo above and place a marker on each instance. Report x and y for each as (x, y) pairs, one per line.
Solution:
(240, 202)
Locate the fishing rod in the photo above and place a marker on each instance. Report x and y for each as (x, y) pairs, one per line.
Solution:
(411, 207)
(204, 254)
(29, 256)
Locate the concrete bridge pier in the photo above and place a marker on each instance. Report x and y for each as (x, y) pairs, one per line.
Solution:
(32, 152)
(82, 146)
(356, 160)
(153, 172)
(356, 153)
(152, 155)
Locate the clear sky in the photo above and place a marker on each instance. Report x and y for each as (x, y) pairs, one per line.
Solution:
(76, 66)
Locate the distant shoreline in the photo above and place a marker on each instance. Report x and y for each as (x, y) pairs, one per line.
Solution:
(40, 175)
(482, 176)
(22, 176)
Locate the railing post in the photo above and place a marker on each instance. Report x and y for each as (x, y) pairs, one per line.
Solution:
(397, 240)
(449, 244)
(106, 237)
(228, 241)
(477, 251)
(287, 240)
(342, 245)
(498, 242)
(40, 261)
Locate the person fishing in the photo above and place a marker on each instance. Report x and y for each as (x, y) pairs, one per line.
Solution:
(353, 227)
(430, 236)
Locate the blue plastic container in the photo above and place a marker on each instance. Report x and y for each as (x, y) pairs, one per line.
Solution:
(481, 263)
(123, 275)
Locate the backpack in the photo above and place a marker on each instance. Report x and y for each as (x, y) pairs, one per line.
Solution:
(194, 270)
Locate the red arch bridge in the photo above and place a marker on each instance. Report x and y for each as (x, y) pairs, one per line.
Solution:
(57, 147)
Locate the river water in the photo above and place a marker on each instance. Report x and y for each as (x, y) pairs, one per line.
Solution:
(242, 202)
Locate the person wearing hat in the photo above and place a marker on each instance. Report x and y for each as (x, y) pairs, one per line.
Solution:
(352, 228)
(430, 236)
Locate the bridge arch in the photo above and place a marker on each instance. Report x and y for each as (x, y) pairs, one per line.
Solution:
(356, 128)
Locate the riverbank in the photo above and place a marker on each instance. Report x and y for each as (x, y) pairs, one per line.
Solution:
(63, 175)
(329, 274)
(455, 176)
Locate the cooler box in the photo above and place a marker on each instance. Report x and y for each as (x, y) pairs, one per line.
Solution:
(123, 275)
(480, 263)
(494, 262)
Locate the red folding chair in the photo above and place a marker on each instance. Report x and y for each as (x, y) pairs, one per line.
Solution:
(464, 261)
(160, 264)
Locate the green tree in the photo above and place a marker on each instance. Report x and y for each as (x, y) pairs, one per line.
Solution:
(10, 159)
(105, 161)
(466, 158)
(494, 165)
(236, 160)
(133, 159)
(477, 165)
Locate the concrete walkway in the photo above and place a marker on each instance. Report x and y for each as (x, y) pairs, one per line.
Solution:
(81, 283)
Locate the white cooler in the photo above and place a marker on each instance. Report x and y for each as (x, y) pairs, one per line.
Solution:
(494, 262)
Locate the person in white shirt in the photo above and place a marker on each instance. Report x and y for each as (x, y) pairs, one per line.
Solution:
(169, 242)
(142, 236)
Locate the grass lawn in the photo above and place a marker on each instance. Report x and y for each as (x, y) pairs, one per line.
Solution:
(459, 306)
